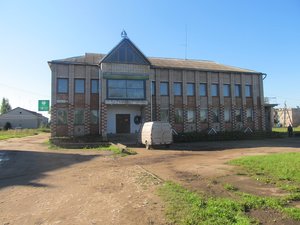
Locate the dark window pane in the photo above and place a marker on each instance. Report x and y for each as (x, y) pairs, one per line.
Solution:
(79, 86)
(237, 90)
(214, 90)
(95, 86)
(62, 85)
(177, 89)
(164, 88)
(226, 90)
(190, 89)
(202, 90)
(248, 91)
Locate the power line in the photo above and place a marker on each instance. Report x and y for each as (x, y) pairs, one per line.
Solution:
(26, 91)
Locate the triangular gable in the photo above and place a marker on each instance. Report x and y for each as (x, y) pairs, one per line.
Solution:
(126, 52)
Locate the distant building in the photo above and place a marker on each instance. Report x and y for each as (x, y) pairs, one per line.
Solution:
(286, 116)
(118, 91)
(23, 118)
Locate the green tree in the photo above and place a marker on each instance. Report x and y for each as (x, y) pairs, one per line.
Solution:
(5, 106)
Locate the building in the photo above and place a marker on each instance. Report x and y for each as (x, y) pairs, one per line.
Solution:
(23, 118)
(286, 116)
(118, 91)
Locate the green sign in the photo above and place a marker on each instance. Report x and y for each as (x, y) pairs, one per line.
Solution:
(44, 105)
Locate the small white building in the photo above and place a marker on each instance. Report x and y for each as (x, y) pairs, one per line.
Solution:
(23, 118)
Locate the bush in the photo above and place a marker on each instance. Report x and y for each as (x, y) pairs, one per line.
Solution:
(7, 126)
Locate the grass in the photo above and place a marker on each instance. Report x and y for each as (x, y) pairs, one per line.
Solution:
(20, 133)
(184, 207)
(282, 169)
(284, 129)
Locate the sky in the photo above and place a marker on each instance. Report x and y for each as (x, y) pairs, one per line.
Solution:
(261, 35)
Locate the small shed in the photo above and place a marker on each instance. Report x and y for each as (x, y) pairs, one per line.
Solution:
(23, 118)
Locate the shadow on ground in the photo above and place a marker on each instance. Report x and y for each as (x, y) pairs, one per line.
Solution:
(26, 167)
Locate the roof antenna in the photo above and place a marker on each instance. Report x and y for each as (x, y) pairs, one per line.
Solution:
(124, 34)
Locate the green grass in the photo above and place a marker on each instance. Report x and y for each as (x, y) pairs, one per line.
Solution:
(282, 169)
(18, 133)
(184, 207)
(284, 129)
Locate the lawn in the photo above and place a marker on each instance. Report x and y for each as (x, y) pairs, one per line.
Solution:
(185, 207)
(284, 129)
(20, 133)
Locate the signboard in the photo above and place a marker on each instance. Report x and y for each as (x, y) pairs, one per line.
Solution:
(44, 105)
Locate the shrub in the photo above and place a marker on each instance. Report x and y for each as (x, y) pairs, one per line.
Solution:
(7, 126)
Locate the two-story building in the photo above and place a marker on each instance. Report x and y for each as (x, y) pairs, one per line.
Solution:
(118, 91)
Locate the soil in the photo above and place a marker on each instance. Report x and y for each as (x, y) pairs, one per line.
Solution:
(43, 186)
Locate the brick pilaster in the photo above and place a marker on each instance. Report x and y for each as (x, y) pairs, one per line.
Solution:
(53, 125)
(87, 119)
(103, 120)
(221, 118)
(172, 115)
(185, 119)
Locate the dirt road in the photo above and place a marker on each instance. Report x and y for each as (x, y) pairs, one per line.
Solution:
(42, 186)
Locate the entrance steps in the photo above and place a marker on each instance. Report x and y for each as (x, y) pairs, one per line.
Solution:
(126, 139)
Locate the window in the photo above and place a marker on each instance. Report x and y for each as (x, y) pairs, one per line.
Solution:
(62, 116)
(191, 116)
(203, 90)
(177, 89)
(203, 115)
(248, 91)
(249, 114)
(79, 86)
(238, 115)
(94, 116)
(190, 91)
(227, 115)
(164, 115)
(215, 115)
(94, 86)
(164, 88)
(226, 90)
(62, 85)
(178, 116)
(78, 116)
(126, 89)
(152, 88)
(214, 90)
(237, 90)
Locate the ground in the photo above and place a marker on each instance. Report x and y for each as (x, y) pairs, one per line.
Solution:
(45, 186)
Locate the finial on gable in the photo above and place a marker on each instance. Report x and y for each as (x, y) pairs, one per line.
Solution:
(124, 34)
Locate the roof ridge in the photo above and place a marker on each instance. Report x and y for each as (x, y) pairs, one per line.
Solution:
(194, 60)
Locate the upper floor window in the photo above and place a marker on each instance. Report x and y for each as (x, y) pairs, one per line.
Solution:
(177, 88)
(94, 86)
(214, 90)
(226, 90)
(126, 89)
(237, 90)
(248, 90)
(164, 88)
(203, 89)
(62, 85)
(79, 86)
(190, 90)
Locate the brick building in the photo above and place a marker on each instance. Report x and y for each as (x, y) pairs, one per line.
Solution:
(118, 91)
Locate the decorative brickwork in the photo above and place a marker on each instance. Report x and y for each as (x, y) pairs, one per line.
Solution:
(256, 117)
(158, 112)
(185, 119)
(172, 115)
(198, 122)
(221, 115)
(71, 121)
(263, 119)
(103, 119)
(147, 113)
(53, 125)
(87, 119)
(233, 120)
(210, 116)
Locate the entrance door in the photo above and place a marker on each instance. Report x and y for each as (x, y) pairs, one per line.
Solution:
(122, 123)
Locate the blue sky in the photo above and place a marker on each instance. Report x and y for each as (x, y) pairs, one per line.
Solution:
(260, 35)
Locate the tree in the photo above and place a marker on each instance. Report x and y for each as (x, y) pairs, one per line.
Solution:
(5, 106)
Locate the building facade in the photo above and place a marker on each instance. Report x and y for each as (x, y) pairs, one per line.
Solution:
(23, 118)
(287, 116)
(116, 92)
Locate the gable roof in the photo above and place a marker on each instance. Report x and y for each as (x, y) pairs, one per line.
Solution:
(125, 52)
(26, 110)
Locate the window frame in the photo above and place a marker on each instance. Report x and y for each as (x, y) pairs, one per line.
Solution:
(248, 91)
(188, 93)
(225, 89)
(126, 90)
(64, 117)
(93, 81)
(177, 84)
(205, 110)
(214, 87)
(78, 123)
(237, 90)
(65, 89)
(189, 113)
(203, 93)
(161, 90)
(215, 115)
(78, 90)
(178, 116)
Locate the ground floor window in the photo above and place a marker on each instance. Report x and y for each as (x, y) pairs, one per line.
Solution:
(94, 116)
(191, 118)
(178, 116)
(215, 115)
(203, 115)
(79, 116)
(62, 116)
(227, 115)
(164, 115)
(238, 115)
(249, 113)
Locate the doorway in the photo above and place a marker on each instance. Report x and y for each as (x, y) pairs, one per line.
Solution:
(122, 123)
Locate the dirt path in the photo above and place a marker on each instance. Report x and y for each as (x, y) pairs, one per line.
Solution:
(42, 186)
